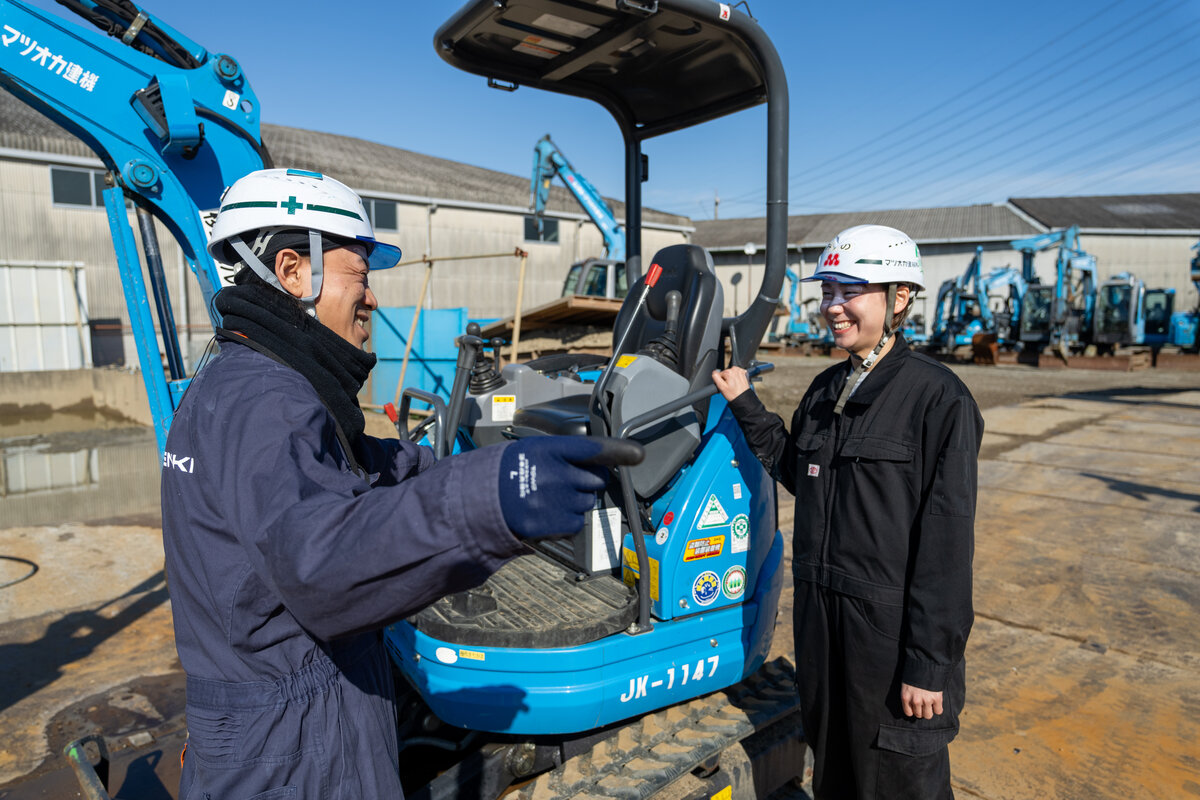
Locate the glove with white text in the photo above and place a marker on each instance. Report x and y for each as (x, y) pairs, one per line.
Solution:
(548, 484)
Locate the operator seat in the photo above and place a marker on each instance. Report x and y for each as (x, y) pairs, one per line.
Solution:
(687, 269)
(655, 364)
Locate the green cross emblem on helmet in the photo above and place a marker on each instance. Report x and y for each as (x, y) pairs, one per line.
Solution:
(291, 205)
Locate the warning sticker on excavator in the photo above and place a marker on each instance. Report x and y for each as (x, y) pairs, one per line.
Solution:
(629, 570)
(626, 360)
(504, 406)
(703, 548)
(714, 515)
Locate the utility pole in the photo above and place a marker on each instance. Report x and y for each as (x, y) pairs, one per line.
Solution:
(716, 205)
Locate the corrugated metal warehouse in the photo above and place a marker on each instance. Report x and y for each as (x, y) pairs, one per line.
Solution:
(54, 236)
(61, 303)
(1148, 235)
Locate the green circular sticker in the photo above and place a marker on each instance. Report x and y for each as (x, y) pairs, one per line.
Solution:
(734, 582)
(740, 526)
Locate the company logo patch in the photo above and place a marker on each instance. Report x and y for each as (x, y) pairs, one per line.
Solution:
(813, 470)
(182, 463)
(703, 548)
(832, 260)
(706, 588)
(734, 582)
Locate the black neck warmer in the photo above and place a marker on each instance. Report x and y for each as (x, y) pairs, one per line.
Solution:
(335, 368)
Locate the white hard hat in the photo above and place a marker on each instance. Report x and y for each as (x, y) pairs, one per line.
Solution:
(294, 200)
(870, 254)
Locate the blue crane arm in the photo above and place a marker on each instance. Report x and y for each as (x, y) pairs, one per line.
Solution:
(548, 162)
(975, 271)
(172, 123)
(795, 284)
(1004, 276)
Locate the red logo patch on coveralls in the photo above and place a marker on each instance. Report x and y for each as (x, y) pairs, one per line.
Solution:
(813, 470)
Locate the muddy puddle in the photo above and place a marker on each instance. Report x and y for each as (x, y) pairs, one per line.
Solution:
(79, 465)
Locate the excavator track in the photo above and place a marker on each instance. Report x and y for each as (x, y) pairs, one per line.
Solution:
(647, 756)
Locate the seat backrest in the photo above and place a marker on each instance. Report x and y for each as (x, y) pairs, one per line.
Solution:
(687, 269)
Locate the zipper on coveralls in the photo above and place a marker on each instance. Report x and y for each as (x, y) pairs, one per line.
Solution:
(830, 487)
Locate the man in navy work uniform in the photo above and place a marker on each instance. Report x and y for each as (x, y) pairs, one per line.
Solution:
(292, 537)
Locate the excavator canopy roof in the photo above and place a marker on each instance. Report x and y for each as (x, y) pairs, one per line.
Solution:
(687, 62)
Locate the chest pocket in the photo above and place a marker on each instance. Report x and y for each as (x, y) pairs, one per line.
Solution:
(876, 448)
(810, 453)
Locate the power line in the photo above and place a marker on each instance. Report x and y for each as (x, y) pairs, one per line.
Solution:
(997, 101)
(1108, 106)
(1108, 157)
(977, 146)
(1057, 38)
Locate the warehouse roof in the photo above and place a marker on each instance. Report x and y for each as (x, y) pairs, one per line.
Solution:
(1129, 211)
(922, 224)
(367, 166)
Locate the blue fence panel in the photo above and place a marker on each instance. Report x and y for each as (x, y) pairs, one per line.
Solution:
(431, 363)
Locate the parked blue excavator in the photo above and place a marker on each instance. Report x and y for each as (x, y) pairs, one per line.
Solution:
(631, 655)
(1058, 316)
(803, 326)
(1184, 324)
(960, 310)
(596, 277)
(1128, 314)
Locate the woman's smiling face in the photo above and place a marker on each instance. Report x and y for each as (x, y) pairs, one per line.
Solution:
(855, 313)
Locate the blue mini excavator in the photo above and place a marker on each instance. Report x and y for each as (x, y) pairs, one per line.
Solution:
(670, 591)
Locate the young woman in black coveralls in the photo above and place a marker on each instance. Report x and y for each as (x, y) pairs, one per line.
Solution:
(882, 458)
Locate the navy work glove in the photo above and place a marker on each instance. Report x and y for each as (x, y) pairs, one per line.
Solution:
(549, 483)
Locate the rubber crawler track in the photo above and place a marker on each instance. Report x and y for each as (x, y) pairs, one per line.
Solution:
(649, 754)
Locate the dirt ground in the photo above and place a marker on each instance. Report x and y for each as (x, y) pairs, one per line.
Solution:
(1083, 666)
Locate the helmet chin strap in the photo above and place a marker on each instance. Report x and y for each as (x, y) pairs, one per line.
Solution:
(864, 367)
(316, 262)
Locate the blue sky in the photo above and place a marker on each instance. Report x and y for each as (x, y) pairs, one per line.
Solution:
(893, 105)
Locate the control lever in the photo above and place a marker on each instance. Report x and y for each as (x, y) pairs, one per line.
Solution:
(469, 347)
(617, 452)
(665, 348)
(497, 343)
(485, 376)
(597, 403)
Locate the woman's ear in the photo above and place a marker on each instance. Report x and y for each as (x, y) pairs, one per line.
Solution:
(293, 272)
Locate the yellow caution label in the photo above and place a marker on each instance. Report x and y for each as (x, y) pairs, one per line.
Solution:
(724, 794)
(504, 406)
(629, 570)
(626, 360)
(474, 655)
